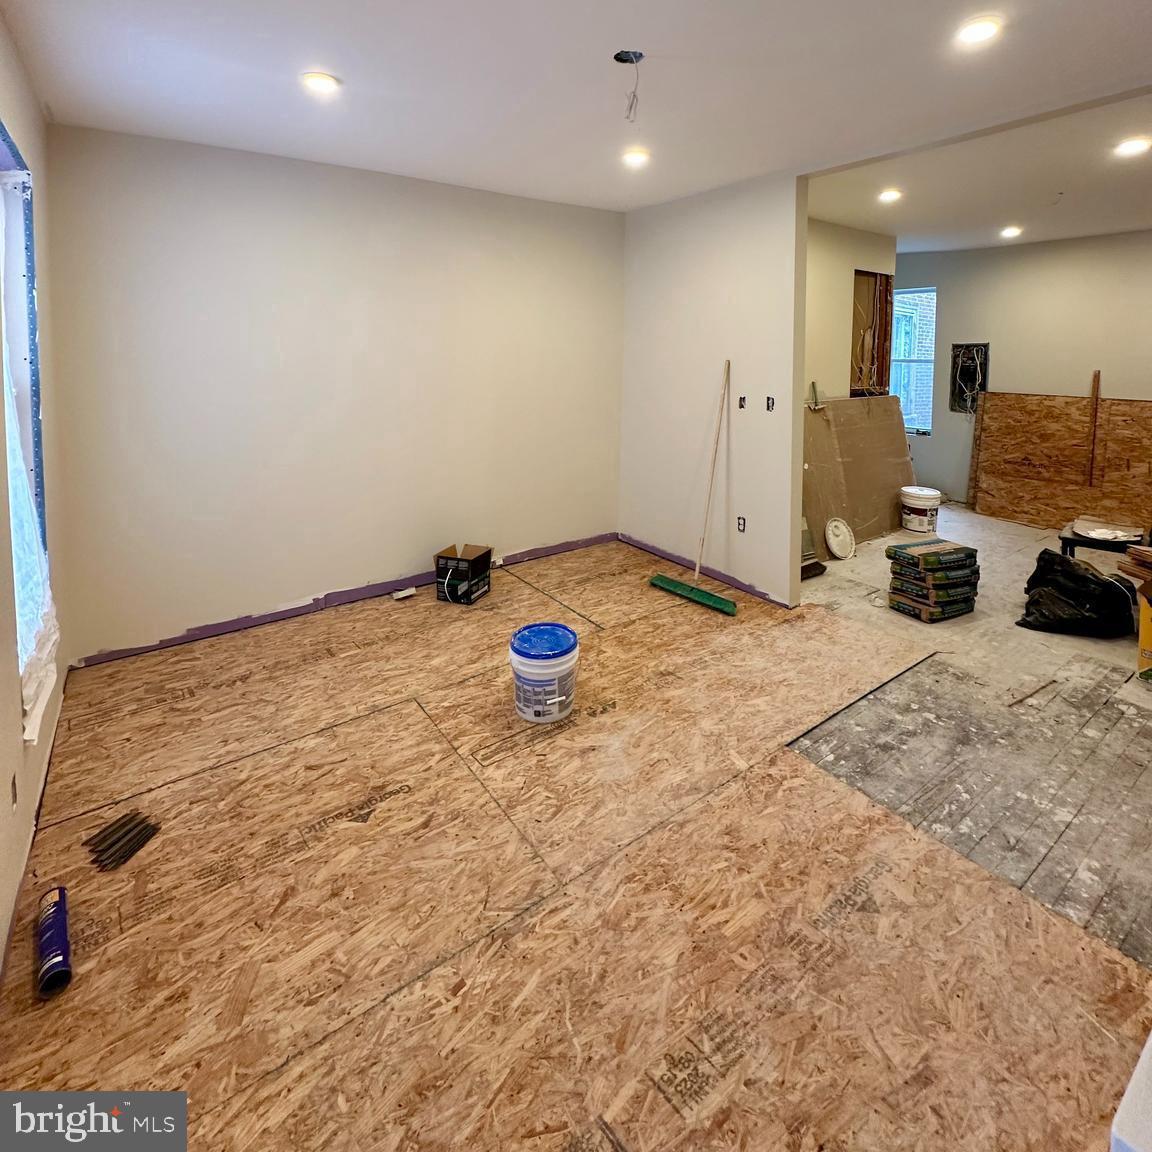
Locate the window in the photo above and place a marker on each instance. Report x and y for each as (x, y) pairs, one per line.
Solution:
(913, 353)
(37, 634)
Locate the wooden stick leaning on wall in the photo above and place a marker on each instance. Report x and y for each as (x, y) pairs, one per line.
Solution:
(1094, 421)
(693, 591)
(724, 390)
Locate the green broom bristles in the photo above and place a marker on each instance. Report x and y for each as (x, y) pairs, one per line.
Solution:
(691, 592)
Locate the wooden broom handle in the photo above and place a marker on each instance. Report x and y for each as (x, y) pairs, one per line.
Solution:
(712, 469)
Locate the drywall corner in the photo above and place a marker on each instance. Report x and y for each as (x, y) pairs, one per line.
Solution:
(799, 335)
(711, 278)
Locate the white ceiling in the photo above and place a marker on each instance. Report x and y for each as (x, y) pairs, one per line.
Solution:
(1055, 179)
(522, 96)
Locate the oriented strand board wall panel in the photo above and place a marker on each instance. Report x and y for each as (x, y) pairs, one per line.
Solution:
(1032, 458)
(1124, 452)
(855, 463)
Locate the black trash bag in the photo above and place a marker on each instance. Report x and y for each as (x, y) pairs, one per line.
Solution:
(1070, 595)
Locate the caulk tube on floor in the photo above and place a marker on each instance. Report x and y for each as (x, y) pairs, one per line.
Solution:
(53, 952)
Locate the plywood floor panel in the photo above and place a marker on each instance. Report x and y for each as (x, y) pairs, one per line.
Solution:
(667, 724)
(233, 660)
(284, 896)
(615, 664)
(708, 988)
(645, 928)
(608, 583)
(148, 733)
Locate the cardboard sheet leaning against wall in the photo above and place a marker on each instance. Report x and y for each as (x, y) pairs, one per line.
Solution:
(855, 463)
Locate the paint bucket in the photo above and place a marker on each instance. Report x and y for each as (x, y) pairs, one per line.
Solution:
(544, 659)
(53, 952)
(918, 508)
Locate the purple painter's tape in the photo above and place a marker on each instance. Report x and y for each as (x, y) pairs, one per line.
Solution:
(556, 549)
(712, 573)
(367, 591)
(351, 595)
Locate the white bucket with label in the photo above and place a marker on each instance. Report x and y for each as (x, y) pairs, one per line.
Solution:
(544, 659)
(918, 508)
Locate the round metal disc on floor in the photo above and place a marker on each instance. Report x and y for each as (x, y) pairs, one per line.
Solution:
(840, 539)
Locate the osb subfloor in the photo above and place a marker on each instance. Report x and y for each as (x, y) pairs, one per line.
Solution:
(384, 914)
(1028, 752)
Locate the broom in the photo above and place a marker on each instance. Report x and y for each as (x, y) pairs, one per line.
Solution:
(693, 591)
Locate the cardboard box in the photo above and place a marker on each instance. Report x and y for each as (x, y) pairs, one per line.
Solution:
(1144, 641)
(463, 575)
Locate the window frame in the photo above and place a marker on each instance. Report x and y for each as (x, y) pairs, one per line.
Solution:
(913, 430)
(11, 161)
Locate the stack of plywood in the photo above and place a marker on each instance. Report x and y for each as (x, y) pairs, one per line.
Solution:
(1137, 563)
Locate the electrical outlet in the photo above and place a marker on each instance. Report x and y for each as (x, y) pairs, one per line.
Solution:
(741, 523)
(771, 403)
(742, 402)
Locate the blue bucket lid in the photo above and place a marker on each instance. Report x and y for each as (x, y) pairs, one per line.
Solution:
(544, 641)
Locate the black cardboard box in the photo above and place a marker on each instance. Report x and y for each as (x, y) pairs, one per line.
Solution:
(463, 575)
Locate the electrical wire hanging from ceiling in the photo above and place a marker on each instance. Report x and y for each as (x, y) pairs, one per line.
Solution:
(632, 104)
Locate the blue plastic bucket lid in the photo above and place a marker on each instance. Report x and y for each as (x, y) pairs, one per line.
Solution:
(544, 641)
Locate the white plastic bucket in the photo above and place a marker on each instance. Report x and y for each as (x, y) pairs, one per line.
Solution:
(544, 659)
(918, 508)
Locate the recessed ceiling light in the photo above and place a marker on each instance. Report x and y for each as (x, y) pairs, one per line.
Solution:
(321, 83)
(1011, 232)
(979, 31)
(636, 157)
(889, 195)
(1136, 146)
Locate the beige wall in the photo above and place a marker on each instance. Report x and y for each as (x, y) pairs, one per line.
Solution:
(26, 764)
(1052, 313)
(281, 378)
(835, 254)
(710, 278)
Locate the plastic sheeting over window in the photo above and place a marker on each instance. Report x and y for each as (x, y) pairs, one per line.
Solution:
(37, 632)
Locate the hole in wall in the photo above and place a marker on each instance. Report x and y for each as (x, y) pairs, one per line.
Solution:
(15, 794)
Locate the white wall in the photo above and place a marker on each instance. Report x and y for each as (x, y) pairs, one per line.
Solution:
(279, 378)
(1052, 313)
(24, 763)
(713, 277)
(835, 253)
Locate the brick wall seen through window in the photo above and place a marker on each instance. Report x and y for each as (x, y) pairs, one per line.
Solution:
(913, 353)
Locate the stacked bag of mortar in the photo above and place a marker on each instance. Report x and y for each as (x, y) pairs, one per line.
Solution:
(932, 580)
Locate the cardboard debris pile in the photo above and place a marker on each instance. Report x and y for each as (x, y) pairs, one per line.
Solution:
(932, 580)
